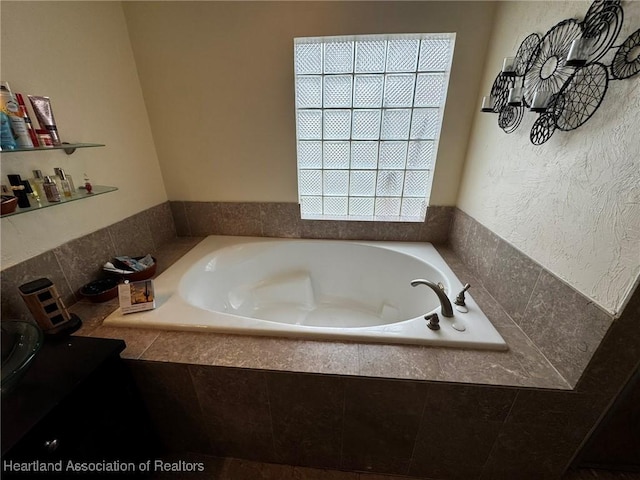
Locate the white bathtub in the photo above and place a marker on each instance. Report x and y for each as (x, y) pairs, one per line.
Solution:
(322, 289)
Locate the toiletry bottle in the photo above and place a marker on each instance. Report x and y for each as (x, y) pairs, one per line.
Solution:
(87, 184)
(64, 183)
(51, 190)
(27, 120)
(20, 193)
(71, 184)
(11, 107)
(33, 194)
(60, 173)
(44, 113)
(7, 142)
(37, 181)
(44, 139)
(19, 190)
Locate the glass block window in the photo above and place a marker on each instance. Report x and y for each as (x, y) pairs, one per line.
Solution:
(368, 117)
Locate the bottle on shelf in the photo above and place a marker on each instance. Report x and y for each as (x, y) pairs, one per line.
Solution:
(62, 175)
(20, 190)
(51, 190)
(37, 182)
(87, 184)
(32, 192)
(11, 108)
(7, 142)
(64, 183)
(27, 120)
(44, 138)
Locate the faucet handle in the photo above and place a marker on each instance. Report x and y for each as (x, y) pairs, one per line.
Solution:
(460, 298)
(433, 321)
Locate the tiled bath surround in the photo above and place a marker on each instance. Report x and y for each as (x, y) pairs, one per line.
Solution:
(346, 420)
(435, 430)
(566, 326)
(221, 388)
(346, 415)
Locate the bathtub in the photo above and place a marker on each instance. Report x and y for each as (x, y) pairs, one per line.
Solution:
(320, 289)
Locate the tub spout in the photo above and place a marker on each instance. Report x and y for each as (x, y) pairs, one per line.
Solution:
(445, 304)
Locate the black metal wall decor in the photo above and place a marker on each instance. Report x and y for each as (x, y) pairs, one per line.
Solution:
(561, 75)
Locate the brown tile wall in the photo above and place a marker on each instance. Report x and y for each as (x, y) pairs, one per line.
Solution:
(392, 427)
(564, 324)
(79, 261)
(283, 220)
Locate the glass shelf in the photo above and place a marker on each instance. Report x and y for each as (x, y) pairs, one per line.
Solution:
(80, 195)
(69, 148)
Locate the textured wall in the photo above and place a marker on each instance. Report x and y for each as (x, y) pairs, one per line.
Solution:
(78, 53)
(218, 84)
(572, 204)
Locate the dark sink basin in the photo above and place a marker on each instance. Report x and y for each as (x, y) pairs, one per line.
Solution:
(21, 341)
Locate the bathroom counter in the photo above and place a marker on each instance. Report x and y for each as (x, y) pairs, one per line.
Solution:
(521, 366)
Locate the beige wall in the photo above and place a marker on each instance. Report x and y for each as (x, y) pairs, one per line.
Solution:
(572, 204)
(78, 53)
(218, 83)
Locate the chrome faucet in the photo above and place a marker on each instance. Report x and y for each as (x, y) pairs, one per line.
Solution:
(445, 303)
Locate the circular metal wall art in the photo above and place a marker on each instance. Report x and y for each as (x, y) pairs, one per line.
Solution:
(597, 6)
(548, 69)
(603, 29)
(500, 91)
(525, 53)
(582, 95)
(510, 118)
(556, 105)
(574, 86)
(542, 129)
(626, 61)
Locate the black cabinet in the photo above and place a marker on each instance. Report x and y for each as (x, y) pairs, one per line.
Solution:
(615, 444)
(76, 410)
